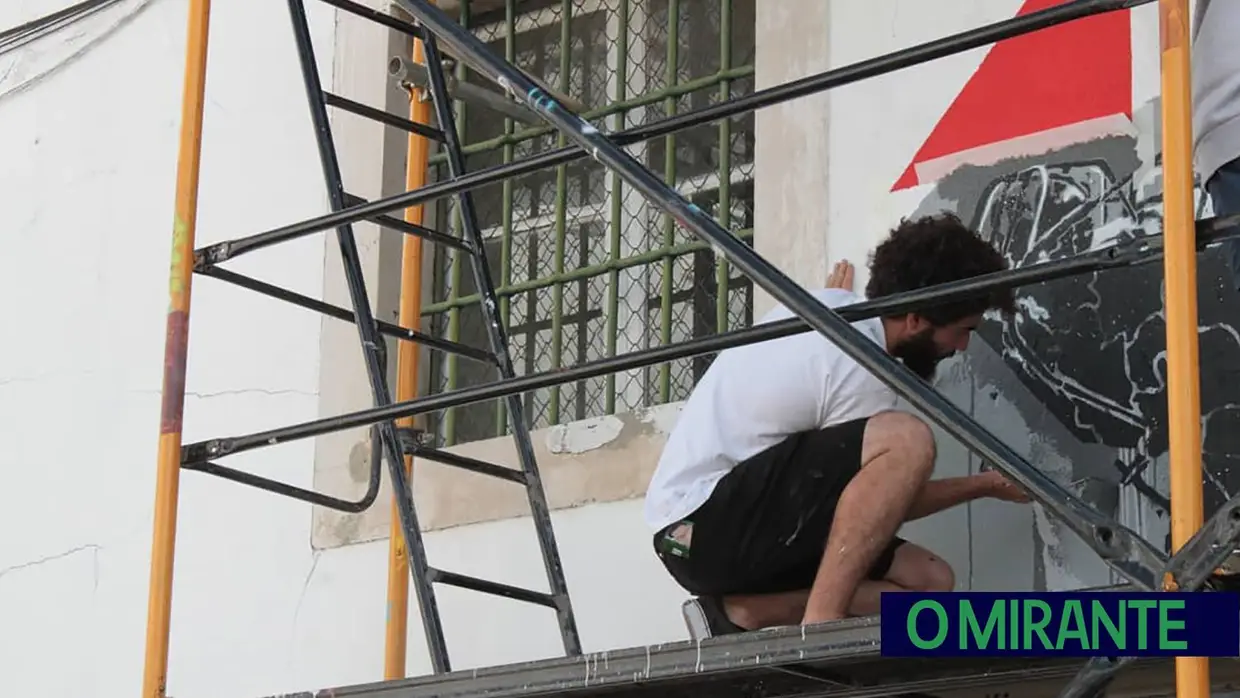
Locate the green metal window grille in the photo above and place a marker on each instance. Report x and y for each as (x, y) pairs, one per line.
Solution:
(585, 268)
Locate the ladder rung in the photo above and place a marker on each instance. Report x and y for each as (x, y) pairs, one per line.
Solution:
(486, 586)
(383, 117)
(377, 16)
(451, 347)
(400, 226)
(471, 464)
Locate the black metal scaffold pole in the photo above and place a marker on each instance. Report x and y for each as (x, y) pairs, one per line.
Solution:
(539, 510)
(386, 438)
(370, 340)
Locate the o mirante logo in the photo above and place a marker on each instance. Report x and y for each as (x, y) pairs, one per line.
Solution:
(1079, 624)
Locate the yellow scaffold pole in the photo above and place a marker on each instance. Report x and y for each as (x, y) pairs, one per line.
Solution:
(396, 630)
(1180, 279)
(168, 465)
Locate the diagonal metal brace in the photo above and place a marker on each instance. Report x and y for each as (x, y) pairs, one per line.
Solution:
(1197, 561)
(1192, 568)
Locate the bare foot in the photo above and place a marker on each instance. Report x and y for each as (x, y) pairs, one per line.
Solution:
(816, 619)
(841, 276)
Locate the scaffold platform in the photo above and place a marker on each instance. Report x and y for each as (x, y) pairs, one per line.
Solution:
(822, 661)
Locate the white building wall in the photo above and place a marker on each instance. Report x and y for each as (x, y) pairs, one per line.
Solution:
(89, 170)
(88, 160)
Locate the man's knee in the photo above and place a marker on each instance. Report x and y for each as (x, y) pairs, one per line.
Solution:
(937, 575)
(918, 569)
(900, 433)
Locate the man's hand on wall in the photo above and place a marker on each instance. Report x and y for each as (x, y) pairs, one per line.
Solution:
(841, 275)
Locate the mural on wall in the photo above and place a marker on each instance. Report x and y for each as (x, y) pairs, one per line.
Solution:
(1043, 153)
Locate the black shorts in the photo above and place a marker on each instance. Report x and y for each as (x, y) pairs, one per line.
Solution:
(764, 528)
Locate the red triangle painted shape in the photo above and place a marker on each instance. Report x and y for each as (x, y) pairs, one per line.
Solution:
(1064, 75)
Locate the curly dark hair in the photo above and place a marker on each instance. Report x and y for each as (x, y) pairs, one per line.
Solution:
(934, 250)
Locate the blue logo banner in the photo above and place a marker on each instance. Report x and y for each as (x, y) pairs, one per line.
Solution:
(1071, 624)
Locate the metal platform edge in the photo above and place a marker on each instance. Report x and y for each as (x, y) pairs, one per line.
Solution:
(824, 647)
(857, 637)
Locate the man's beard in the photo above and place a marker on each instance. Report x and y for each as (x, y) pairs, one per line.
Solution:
(920, 354)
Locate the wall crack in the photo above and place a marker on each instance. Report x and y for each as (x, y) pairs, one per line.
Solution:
(239, 391)
(91, 547)
(305, 587)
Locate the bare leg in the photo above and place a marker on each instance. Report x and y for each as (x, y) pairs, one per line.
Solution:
(897, 460)
(770, 610)
(912, 569)
(755, 611)
(867, 600)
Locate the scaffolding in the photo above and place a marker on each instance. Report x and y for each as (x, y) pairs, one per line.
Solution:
(830, 659)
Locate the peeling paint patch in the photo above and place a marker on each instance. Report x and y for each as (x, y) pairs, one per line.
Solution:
(585, 435)
(1058, 564)
(359, 462)
(661, 417)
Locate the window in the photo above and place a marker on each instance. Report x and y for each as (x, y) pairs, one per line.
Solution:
(585, 268)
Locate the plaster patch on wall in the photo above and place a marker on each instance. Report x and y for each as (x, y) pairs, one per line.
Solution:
(661, 417)
(1046, 457)
(612, 431)
(1057, 565)
(603, 459)
(360, 462)
(585, 435)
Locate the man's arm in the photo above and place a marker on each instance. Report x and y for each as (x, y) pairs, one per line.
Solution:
(938, 495)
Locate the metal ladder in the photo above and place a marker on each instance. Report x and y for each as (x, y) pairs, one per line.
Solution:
(395, 443)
